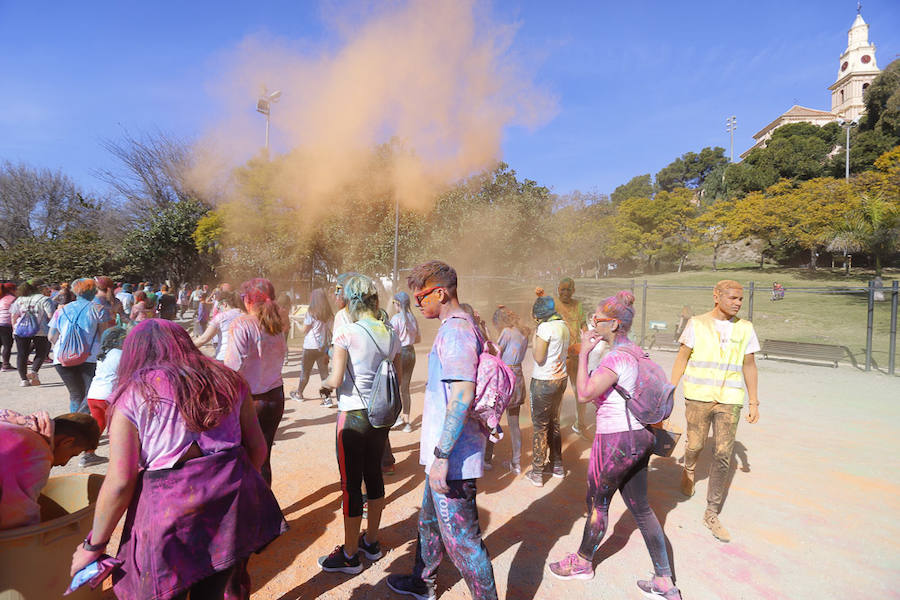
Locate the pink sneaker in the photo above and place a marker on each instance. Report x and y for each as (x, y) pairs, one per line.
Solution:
(572, 567)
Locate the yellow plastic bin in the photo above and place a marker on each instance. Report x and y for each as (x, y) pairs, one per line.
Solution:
(35, 560)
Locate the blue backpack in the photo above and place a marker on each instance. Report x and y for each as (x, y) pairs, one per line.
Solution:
(27, 326)
(75, 347)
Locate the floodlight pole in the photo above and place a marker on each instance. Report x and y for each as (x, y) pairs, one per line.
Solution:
(730, 126)
(848, 125)
(396, 275)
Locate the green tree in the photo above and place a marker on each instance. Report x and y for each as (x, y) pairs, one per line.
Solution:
(872, 226)
(640, 186)
(882, 99)
(754, 215)
(712, 227)
(797, 151)
(691, 169)
(655, 229)
(493, 223)
(162, 245)
(75, 253)
(810, 210)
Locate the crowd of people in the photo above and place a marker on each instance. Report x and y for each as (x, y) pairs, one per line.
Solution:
(194, 433)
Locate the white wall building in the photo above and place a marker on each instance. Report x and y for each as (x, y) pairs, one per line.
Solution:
(856, 70)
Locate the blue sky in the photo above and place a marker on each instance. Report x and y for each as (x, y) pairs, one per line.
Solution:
(637, 83)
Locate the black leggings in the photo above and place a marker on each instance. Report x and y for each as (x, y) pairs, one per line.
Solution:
(78, 381)
(269, 410)
(24, 345)
(312, 356)
(613, 467)
(6, 342)
(360, 448)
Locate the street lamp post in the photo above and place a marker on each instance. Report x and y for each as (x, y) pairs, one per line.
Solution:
(730, 126)
(264, 106)
(848, 125)
(396, 275)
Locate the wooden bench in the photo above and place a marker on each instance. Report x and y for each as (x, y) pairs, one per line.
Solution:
(662, 341)
(821, 352)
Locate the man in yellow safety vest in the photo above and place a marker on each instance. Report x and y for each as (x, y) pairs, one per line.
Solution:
(716, 361)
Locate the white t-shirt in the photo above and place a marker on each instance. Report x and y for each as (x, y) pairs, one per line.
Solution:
(105, 376)
(223, 322)
(406, 328)
(341, 319)
(611, 405)
(364, 359)
(724, 329)
(556, 334)
(317, 337)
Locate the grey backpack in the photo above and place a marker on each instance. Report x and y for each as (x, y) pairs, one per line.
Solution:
(383, 404)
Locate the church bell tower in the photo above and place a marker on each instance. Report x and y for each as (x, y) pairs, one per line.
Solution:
(856, 71)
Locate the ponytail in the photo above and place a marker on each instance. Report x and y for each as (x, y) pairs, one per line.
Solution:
(269, 316)
(260, 294)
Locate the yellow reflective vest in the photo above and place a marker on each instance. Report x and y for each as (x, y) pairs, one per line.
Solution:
(715, 373)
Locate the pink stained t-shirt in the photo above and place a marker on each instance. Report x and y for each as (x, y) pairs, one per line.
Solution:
(611, 405)
(163, 433)
(255, 354)
(25, 462)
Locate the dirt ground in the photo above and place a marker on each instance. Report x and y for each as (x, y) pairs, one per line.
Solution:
(812, 509)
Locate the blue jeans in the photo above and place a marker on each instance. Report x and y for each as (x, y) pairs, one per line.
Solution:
(449, 522)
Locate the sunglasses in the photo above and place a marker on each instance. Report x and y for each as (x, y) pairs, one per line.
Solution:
(424, 294)
(595, 319)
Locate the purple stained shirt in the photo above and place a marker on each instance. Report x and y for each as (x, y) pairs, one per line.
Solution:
(255, 354)
(513, 346)
(453, 357)
(163, 432)
(611, 409)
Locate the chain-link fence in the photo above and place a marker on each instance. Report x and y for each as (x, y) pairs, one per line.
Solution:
(860, 321)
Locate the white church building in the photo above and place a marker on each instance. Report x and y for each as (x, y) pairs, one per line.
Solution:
(856, 70)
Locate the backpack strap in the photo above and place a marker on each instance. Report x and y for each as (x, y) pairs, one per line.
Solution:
(350, 363)
(627, 397)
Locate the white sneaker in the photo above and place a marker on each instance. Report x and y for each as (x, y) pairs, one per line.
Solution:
(24, 383)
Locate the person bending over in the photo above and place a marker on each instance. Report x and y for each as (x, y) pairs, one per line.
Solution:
(29, 447)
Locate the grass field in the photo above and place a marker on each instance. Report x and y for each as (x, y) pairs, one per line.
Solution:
(813, 309)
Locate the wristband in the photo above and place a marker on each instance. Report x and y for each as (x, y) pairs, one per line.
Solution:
(441, 455)
(87, 545)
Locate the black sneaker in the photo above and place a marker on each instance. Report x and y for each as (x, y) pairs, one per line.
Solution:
(559, 471)
(409, 585)
(337, 562)
(372, 551)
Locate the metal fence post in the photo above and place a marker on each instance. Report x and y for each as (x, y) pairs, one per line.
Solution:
(869, 323)
(892, 353)
(632, 286)
(750, 304)
(643, 312)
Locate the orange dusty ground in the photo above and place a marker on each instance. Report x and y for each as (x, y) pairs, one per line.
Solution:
(812, 507)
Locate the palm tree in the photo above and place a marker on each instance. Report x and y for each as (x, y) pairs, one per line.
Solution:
(872, 227)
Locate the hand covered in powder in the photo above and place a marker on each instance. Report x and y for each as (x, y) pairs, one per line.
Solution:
(437, 475)
(589, 340)
(753, 414)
